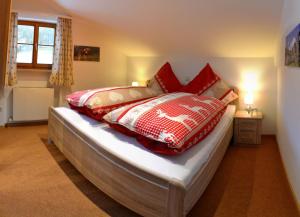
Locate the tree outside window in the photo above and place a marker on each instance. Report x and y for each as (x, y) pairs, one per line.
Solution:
(35, 44)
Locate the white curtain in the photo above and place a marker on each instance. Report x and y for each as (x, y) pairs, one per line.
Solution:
(62, 69)
(11, 70)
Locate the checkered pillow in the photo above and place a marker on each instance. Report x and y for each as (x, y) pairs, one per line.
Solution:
(169, 124)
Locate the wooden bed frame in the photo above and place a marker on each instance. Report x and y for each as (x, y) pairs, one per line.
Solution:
(140, 191)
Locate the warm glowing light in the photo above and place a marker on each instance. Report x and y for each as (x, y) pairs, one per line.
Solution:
(251, 86)
(250, 81)
(140, 69)
(135, 83)
(143, 83)
(249, 98)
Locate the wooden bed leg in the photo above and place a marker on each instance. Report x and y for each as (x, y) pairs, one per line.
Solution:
(175, 199)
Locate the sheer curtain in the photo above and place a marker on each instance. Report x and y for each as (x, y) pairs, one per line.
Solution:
(11, 69)
(62, 69)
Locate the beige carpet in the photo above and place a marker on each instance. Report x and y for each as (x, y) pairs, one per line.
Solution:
(36, 180)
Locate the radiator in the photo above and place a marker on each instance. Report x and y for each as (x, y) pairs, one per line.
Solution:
(31, 103)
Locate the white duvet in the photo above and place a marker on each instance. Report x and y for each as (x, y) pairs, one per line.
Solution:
(182, 167)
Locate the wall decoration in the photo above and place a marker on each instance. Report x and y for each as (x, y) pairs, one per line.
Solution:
(86, 53)
(292, 49)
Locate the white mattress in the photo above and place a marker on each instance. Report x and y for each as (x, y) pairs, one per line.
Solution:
(182, 167)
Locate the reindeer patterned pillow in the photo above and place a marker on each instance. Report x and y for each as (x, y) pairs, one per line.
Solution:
(171, 123)
(98, 102)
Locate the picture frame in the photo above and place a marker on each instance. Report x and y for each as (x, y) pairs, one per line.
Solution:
(292, 48)
(86, 53)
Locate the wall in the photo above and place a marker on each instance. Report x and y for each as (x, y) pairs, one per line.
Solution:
(288, 116)
(110, 71)
(230, 28)
(232, 70)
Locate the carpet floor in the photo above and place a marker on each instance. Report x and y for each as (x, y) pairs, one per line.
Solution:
(36, 180)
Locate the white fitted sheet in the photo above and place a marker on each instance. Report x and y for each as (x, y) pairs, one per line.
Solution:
(182, 167)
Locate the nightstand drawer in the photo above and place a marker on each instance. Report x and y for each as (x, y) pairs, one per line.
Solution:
(250, 130)
(250, 140)
(247, 128)
(247, 137)
(247, 124)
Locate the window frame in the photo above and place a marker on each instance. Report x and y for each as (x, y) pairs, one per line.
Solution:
(36, 25)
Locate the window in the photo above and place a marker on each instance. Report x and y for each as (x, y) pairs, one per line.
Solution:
(35, 44)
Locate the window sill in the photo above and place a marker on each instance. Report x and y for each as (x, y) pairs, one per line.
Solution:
(21, 66)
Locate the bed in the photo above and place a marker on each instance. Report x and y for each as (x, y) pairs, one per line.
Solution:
(147, 183)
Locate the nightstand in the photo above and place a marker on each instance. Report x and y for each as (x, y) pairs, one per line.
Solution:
(247, 128)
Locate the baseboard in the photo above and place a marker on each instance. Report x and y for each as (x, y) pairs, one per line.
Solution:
(26, 123)
(290, 185)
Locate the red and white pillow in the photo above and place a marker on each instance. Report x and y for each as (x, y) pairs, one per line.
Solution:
(229, 97)
(98, 102)
(221, 91)
(171, 123)
(204, 80)
(208, 83)
(165, 80)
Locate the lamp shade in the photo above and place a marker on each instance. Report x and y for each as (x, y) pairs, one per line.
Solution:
(135, 83)
(248, 100)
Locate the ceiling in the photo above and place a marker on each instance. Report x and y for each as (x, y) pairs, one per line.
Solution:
(211, 28)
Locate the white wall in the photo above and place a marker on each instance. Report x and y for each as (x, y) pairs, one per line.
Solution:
(288, 120)
(230, 28)
(232, 70)
(29, 78)
(110, 71)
